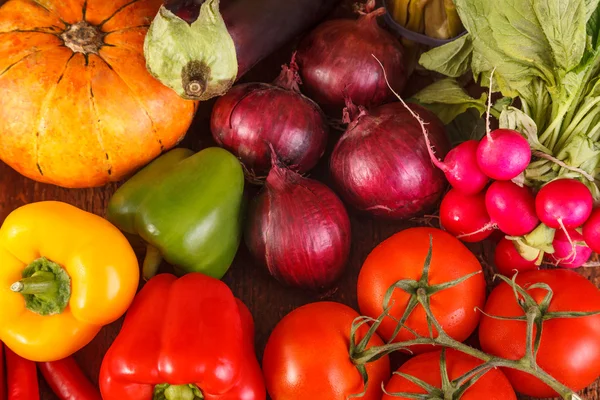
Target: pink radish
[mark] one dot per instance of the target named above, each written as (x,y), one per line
(508,259)
(465,216)
(503,154)
(570,251)
(460,167)
(511,207)
(591,231)
(564,203)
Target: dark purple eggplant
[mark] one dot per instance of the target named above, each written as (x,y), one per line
(199,48)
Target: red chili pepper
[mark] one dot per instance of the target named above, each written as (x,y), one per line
(184,338)
(67,381)
(2,374)
(22,381)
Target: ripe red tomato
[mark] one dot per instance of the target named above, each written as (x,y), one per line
(307,356)
(491,386)
(402,256)
(569,348)
(508,259)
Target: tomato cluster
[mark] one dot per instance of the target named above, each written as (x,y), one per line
(424,273)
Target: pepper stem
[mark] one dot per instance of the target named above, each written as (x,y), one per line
(151,262)
(165,391)
(46,287)
(42,283)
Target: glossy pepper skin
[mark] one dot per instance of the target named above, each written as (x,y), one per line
(184,335)
(64,273)
(187,207)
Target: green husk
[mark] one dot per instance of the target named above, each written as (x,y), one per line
(198,60)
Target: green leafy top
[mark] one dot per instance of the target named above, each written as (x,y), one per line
(546,53)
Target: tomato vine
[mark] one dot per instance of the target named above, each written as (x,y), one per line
(534,316)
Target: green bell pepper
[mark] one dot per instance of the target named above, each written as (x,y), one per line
(188,209)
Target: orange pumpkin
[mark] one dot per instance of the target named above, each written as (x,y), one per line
(77,105)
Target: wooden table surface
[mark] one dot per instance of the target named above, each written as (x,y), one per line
(268,300)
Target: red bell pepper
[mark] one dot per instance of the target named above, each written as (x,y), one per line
(21,377)
(67,380)
(186,338)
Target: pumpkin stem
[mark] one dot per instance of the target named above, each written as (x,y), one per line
(83,37)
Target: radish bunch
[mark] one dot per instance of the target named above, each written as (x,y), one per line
(557,223)
(474,208)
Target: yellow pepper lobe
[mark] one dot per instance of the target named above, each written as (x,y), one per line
(64,273)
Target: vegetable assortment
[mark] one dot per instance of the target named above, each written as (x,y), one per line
(529,184)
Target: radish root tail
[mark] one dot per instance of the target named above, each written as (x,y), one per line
(487,227)
(573,253)
(439,164)
(488,128)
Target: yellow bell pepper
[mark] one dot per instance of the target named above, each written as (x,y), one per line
(64,273)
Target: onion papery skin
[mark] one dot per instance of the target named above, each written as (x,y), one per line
(253,116)
(337,59)
(300,230)
(381,164)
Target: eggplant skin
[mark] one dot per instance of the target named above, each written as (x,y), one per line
(260,27)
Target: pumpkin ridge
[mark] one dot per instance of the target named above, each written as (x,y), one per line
(137,99)
(118,10)
(21,59)
(39,30)
(84,10)
(37,3)
(128,28)
(43,111)
(97,129)
(123,44)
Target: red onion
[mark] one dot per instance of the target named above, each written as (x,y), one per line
(299,229)
(253,116)
(337,57)
(381,164)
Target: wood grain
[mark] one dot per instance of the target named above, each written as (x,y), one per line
(268,300)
